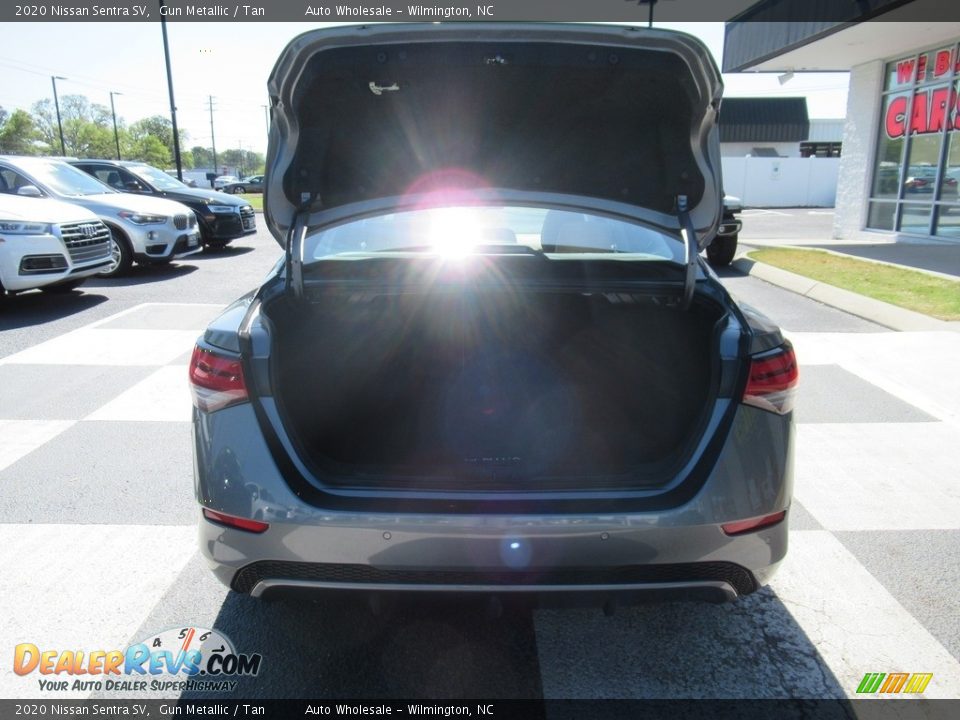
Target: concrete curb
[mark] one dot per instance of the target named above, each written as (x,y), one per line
(891,316)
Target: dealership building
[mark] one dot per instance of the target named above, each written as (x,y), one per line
(900,166)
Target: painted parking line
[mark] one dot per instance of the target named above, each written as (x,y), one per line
(19,438)
(763,211)
(82,587)
(163,396)
(878,476)
(824,622)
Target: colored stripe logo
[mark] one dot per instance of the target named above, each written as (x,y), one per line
(894,683)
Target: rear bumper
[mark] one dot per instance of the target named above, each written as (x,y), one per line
(601,561)
(678,551)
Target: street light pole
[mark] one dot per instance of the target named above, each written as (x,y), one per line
(213,139)
(56,104)
(113,111)
(173,105)
(266,118)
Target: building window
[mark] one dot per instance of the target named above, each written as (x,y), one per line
(917,163)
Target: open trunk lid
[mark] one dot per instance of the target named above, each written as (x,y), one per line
(372,119)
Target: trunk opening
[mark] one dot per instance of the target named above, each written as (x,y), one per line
(493,389)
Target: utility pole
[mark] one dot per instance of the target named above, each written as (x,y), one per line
(56,104)
(240,169)
(173,105)
(266,118)
(113,111)
(213,140)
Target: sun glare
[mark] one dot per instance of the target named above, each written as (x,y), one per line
(454,232)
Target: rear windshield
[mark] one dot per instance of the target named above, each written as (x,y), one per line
(465,230)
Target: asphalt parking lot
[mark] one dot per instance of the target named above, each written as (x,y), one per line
(98,538)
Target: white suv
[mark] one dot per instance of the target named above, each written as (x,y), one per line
(49,245)
(145,229)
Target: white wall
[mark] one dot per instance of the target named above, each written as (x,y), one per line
(740,149)
(781,182)
(859,147)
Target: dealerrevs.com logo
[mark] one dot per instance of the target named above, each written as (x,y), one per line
(189,658)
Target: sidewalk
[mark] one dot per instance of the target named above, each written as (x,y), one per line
(940,259)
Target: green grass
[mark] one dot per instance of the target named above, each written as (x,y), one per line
(255,199)
(909,289)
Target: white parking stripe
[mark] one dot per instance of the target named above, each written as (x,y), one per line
(163,396)
(878,476)
(82,587)
(855,625)
(21,437)
(108,347)
(891,362)
(826,623)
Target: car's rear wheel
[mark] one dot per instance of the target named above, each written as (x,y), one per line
(239,190)
(64,287)
(721,251)
(121,255)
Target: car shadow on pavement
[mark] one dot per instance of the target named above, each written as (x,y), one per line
(333,647)
(143,274)
(36,308)
(219,253)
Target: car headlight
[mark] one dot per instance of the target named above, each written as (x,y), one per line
(18,227)
(142,218)
(221,209)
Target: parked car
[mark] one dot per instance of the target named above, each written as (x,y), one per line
(252,184)
(723,247)
(222,218)
(921,180)
(46,244)
(223,180)
(493,360)
(147,230)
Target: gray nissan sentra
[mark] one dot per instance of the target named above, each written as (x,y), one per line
(492,360)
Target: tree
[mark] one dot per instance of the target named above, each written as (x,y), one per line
(247,162)
(149,149)
(18,134)
(202,157)
(87,127)
(161,128)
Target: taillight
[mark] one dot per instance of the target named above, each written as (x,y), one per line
(254,526)
(215,381)
(773,380)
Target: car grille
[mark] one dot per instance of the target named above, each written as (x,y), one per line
(739,578)
(86,241)
(180,222)
(192,219)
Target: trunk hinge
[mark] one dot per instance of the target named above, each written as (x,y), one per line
(294,251)
(691,250)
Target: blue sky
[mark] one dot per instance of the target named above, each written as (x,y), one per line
(232,61)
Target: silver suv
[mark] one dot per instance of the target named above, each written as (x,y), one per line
(143,229)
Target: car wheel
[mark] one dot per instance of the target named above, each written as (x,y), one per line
(121,255)
(62,288)
(240,190)
(721,251)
